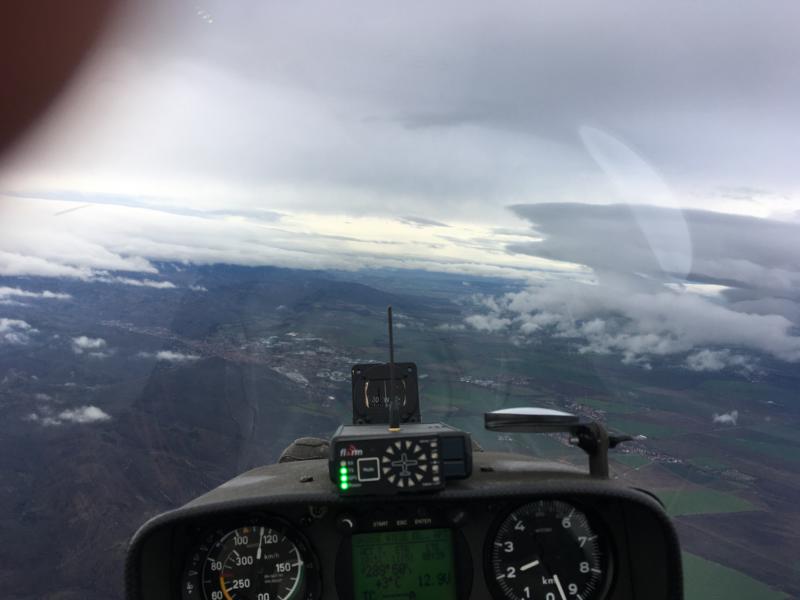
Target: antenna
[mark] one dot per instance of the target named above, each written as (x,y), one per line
(394,409)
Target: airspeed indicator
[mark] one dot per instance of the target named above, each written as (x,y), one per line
(258,561)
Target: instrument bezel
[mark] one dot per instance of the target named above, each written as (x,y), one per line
(206,534)
(597,524)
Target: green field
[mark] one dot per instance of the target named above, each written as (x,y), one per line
(687,404)
(786,432)
(636,427)
(707,580)
(631,460)
(462,396)
(732,391)
(708,462)
(540,446)
(772,449)
(610,406)
(702,501)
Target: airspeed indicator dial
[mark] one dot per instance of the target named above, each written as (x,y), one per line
(258,561)
(547,550)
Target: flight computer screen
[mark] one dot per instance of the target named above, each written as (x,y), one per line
(393,565)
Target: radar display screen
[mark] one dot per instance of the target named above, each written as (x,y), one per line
(395,565)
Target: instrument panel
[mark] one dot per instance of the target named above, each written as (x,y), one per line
(540,550)
(501,535)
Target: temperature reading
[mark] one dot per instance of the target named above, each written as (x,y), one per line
(404,564)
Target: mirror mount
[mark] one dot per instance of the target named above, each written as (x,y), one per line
(590,436)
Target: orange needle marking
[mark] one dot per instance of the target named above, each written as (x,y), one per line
(222,587)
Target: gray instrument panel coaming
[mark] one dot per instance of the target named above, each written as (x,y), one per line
(643,558)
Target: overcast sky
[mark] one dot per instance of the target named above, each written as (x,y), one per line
(452,136)
(452,105)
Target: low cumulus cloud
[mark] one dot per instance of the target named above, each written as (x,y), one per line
(488,322)
(81,415)
(170,356)
(83,344)
(9,292)
(726,418)
(84,414)
(637,308)
(451,327)
(150,283)
(636,324)
(16,331)
(717,360)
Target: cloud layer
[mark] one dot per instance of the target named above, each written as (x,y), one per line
(481,108)
(636,324)
(636,308)
(267,134)
(88,243)
(744,251)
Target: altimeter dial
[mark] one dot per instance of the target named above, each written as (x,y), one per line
(547,550)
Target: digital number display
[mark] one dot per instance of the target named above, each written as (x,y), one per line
(395,565)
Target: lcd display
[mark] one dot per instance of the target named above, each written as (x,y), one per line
(395,565)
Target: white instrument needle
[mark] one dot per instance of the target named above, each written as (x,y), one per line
(260,538)
(560,589)
(530,565)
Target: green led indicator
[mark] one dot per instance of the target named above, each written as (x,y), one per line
(343,470)
(343,486)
